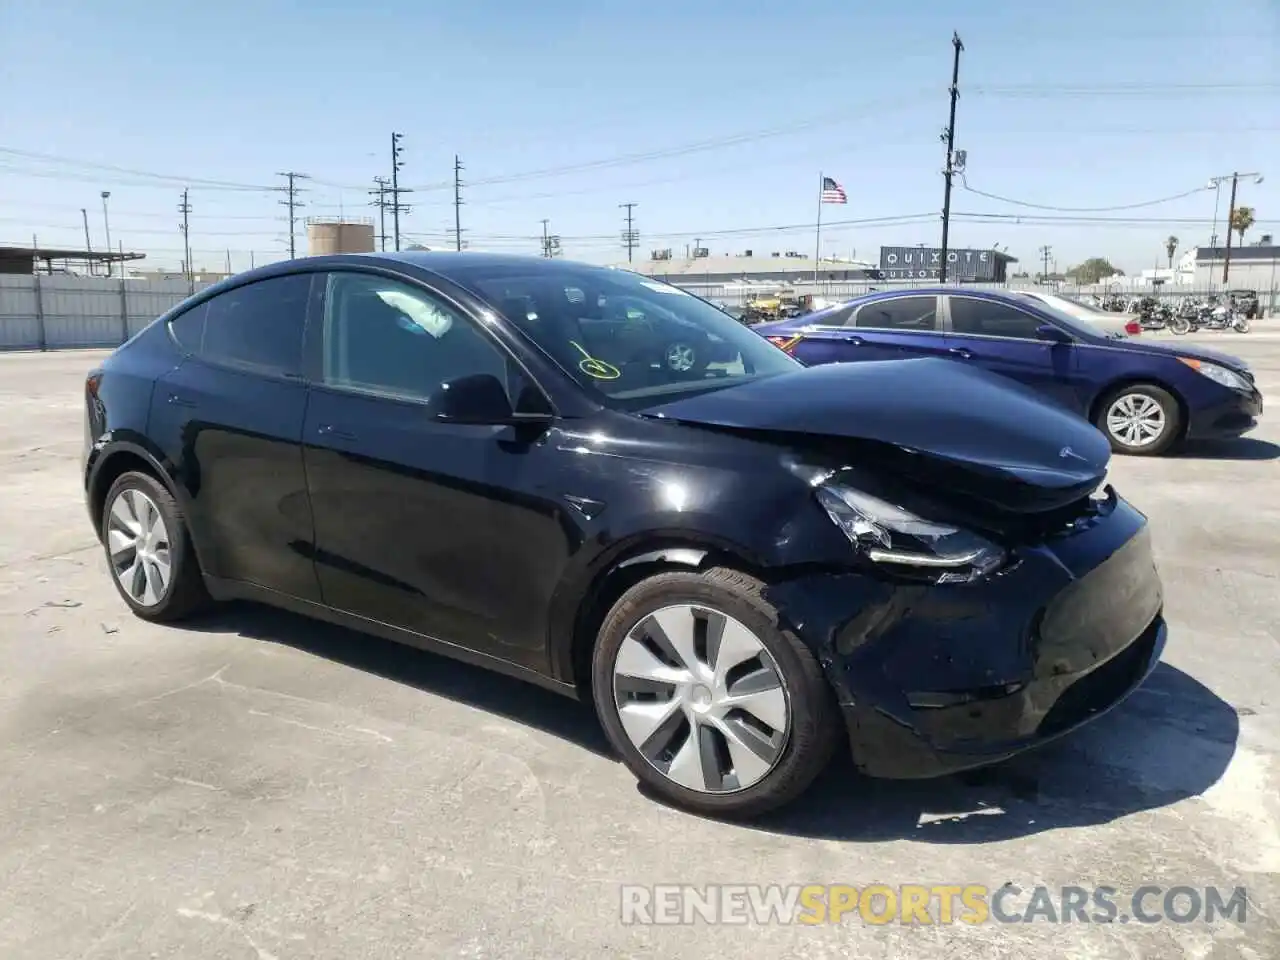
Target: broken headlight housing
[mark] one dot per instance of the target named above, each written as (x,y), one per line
(890,536)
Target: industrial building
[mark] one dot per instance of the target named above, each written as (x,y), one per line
(704,269)
(1252,267)
(24,261)
(895,263)
(327,235)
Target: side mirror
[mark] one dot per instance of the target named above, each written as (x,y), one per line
(1048,331)
(480,399)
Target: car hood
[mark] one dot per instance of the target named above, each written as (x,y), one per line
(1192,351)
(951,427)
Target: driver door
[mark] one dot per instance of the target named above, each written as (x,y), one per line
(415,524)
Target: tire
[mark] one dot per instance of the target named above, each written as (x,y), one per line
(1141,396)
(1240,324)
(683,358)
(126,511)
(740,784)
(1180,325)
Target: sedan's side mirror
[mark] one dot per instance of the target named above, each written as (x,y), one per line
(1048,331)
(481,399)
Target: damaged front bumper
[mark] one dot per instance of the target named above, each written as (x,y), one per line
(938,678)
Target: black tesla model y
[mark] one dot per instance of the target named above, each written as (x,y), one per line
(598,482)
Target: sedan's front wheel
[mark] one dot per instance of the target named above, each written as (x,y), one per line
(1141,419)
(708,699)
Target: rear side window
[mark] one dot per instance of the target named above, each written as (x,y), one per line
(258,325)
(991,319)
(899,313)
(840,317)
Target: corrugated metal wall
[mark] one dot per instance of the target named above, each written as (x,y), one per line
(53,312)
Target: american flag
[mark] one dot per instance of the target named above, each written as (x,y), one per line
(832,192)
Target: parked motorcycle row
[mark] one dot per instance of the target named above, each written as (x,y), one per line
(1233,311)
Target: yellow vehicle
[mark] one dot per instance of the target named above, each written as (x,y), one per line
(770,306)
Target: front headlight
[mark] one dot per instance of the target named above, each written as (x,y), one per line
(1228,378)
(889,535)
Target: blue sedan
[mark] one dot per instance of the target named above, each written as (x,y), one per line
(1146,397)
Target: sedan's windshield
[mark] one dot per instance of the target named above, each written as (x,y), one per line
(632,339)
(1075,316)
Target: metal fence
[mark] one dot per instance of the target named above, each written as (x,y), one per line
(738,294)
(42,312)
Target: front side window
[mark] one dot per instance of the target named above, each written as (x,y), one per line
(991,319)
(630,340)
(259,325)
(899,313)
(390,337)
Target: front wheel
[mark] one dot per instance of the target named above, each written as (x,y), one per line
(1240,323)
(1141,419)
(1180,325)
(709,700)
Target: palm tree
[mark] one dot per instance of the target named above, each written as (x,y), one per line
(1241,220)
(1171,247)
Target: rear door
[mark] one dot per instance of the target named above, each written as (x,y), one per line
(229,418)
(1002,338)
(887,328)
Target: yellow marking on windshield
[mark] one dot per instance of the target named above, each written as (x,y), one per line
(596,369)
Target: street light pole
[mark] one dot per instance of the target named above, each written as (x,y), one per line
(106,223)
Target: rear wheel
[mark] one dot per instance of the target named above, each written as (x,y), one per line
(149,551)
(710,703)
(1141,419)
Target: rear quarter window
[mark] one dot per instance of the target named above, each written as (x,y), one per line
(188,328)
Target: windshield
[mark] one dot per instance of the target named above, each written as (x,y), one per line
(626,337)
(1075,316)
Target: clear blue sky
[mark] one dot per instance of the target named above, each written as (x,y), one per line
(712,116)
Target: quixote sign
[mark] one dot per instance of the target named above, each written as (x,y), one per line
(925,263)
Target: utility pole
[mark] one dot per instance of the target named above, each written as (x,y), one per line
(949,137)
(546,241)
(457,202)
(106,223)
(381,203)
(1231,213)
(292,202)
(184,208)
(1045,252)
(630,239)
(88,246)
(396,206)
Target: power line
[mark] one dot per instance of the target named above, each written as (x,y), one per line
(1044,206)
(292,202)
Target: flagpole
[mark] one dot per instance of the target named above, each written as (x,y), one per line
(817,242)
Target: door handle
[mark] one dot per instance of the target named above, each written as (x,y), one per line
(178,400)
(855,340)
(329,430)
(961,352)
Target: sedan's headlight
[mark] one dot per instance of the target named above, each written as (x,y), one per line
(889,535)
(1218,374)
